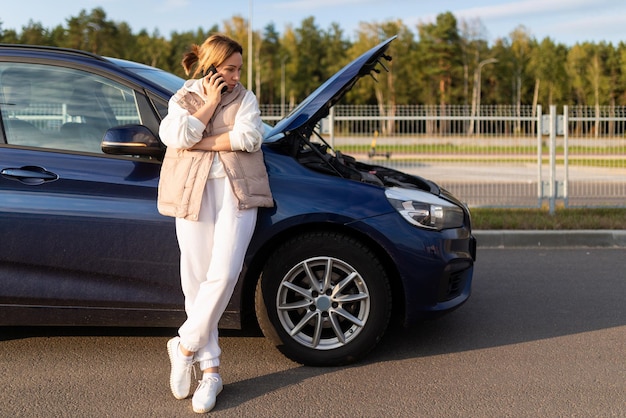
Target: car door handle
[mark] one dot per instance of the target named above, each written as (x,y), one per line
(31,175)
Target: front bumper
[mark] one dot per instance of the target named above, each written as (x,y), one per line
(451,273)
(434,268)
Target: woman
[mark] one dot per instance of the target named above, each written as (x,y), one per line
(211,136)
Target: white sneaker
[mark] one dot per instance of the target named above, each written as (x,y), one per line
(205,396)
(180,374)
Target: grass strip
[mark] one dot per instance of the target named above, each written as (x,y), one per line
(541,219)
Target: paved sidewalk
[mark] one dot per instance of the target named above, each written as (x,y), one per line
(540,238)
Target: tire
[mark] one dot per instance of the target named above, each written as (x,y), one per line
(320,319)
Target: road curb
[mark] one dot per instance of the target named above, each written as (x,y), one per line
(540,238)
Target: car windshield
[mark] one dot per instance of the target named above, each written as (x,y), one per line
(267,128)
(162,78)
(171,82)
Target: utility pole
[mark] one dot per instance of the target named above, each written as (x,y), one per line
(250,52)
(475,122)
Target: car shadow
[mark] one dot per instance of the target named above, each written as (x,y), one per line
(22,332)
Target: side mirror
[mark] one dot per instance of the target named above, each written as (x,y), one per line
(132,140)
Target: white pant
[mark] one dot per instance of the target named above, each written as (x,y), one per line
(212,252)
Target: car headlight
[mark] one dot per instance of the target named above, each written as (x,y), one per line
(425,210)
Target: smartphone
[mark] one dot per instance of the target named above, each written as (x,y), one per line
(212,70)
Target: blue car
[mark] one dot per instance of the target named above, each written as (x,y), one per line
(347,247)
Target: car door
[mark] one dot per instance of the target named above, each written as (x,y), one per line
(78,227)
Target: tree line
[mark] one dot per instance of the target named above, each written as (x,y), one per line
(446,62)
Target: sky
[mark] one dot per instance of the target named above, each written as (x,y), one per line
(564,21)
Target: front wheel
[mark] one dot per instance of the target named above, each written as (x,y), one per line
(323,299)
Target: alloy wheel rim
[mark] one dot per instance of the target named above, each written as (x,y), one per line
(323,303)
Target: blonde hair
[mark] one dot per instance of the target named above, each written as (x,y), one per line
(214,51)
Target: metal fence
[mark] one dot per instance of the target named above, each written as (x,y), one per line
(498,156)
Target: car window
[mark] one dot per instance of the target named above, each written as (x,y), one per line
(61,108)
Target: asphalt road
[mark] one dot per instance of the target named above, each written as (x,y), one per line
(543,335)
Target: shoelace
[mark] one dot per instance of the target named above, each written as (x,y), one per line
(190,365)
(207,381)
(193,369)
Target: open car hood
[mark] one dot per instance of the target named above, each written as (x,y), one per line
(316,106)
(293,134)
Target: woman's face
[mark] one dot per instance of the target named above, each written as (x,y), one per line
(230,70)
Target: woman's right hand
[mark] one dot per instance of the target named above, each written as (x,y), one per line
(213,84)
